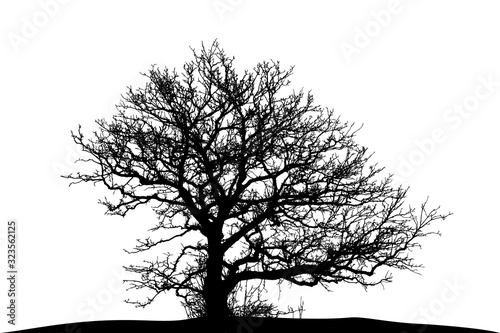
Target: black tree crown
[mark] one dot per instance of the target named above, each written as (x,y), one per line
(268,186)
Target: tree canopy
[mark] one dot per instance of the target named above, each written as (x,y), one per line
(270,186)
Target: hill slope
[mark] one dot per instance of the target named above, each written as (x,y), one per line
(252,325)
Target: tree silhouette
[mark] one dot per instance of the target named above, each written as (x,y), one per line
(264,185)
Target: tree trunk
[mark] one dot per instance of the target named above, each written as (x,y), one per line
(214,290)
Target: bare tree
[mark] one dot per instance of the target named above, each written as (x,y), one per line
(264,184)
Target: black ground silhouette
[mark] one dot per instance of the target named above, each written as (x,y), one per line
(253,325)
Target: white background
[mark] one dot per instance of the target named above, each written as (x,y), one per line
(71,66)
